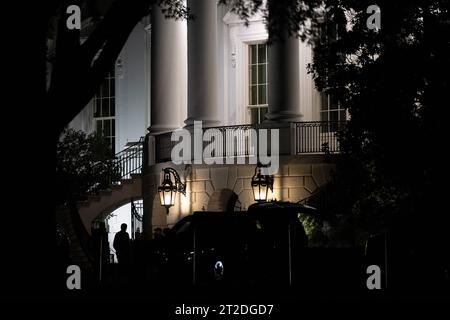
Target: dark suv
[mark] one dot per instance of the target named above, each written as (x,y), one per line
(260,246)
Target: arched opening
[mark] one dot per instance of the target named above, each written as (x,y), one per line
(130,214)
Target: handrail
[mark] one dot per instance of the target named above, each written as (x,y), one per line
(130,159)
(317,136)
(134,212)
(309,137)
(236,141)
(124,163)
(80,231)
(320,199)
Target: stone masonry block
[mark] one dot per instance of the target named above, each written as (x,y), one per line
(202,174)
(198,186)
(219,178)
(297,194)
(310,184)
(300,170)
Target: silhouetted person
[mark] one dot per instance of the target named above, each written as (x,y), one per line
(157,233)
(122,245)
(157,245)
(137,233)
(166,232)
(165,239)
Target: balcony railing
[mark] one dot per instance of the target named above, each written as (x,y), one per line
(129,160)
(235,141)
(313,137)
(124,163)
(317,136)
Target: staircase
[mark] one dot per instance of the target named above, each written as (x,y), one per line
(123,188)
(78,240)
(107,201)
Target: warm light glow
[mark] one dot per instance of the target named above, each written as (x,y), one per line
(168,199)
(185,205)
(260,192)
(270,195)
(168,189)
(261,185)
(167,192)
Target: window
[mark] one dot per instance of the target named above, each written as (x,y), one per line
(258,104)
(105,110)
(331,111)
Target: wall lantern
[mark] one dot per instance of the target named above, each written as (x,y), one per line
(168,189)
(261,184)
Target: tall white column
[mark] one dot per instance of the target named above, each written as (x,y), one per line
(284,79)
(168,72)
(202,63)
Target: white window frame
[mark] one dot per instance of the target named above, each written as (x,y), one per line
(103,118)
(236,60)
(257,106)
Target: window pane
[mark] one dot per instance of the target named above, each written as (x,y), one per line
(333,103)
(254,115)
(105,89)
(112,107)
(98,126)
(324,116)
(262,58)
(252,54)
(342,115)
(98,107)
(334,116)
(262,94)
(105,107)
(262,74)
(112,87)
(253,75)
(113,127)
(262,113)
(253,95)
(324,97)
(107,128)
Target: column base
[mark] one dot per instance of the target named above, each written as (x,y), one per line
(283,117)
(162,128)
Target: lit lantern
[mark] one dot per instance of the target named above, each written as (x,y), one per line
(261,185)
(168,189)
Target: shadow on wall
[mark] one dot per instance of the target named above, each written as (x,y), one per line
(223,200)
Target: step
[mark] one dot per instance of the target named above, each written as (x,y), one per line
(135,175)
(94,198)
(105,193)
(116,187)
(84,203)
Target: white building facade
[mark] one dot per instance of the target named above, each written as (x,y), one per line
(220,71)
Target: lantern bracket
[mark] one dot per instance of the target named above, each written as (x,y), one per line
(181,187)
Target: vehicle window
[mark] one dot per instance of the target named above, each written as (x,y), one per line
(185,228)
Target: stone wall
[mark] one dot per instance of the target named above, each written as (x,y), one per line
(298,178)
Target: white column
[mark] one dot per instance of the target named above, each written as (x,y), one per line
(202,63)
(284,79)
(168,72)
